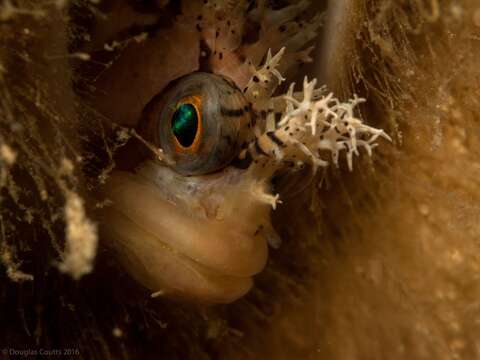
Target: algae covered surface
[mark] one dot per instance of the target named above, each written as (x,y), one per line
(376,263)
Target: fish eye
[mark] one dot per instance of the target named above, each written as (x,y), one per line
(186,124)
(200,122)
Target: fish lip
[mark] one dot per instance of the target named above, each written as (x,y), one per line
(245,241)
(191,281)
(228,267)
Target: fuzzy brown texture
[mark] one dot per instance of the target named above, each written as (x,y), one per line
(379,263)
(40,158)
(395,274)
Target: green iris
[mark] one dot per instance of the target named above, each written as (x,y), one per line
(185,124)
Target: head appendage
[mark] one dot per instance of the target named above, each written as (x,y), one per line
(311,124)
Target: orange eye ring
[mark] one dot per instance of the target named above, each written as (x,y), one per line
(196,102)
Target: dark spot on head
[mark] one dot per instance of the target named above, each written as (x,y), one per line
(199,17)
(220,55)
(256,79)
(282,28)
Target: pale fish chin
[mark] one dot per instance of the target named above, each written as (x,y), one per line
(201,238)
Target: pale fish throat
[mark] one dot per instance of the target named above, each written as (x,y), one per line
(201,238)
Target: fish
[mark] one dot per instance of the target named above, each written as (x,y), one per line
(215,120)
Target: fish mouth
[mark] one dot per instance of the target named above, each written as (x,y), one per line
(198,238)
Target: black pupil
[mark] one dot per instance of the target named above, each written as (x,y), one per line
(185,124)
